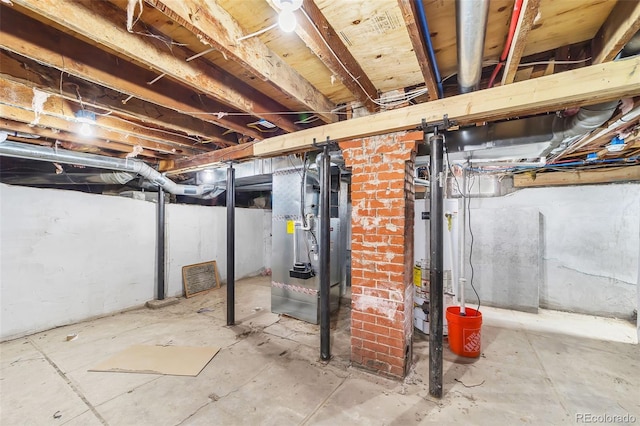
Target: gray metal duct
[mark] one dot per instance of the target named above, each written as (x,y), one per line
(471,25)
(32,152)
(527,137)
(109,178)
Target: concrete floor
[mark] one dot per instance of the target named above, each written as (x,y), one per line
(268,372)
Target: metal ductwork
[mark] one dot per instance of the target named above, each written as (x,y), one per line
(471,26)
(527,137)
(31,152)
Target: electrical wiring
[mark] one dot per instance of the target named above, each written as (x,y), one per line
(472,239)
(264,30)
(462,194)
(255,126)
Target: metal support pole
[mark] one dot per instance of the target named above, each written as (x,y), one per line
(160,262)
(325,309)
(436,245)
(231,245)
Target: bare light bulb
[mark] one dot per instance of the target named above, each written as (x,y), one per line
(287,20)
(85,129)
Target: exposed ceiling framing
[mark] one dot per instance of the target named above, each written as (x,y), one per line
(184,84)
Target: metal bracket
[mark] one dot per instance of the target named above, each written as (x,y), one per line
(328,143)
(436,126)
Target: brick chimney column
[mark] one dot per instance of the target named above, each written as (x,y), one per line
(382,197)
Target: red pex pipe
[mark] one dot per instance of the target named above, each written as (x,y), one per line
(515,15)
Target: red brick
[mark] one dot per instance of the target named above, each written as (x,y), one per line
(390,194)
(388,147)
(397,240)
(374,292)
(391,176)
(356,342)
(375,186)
(357,229)
(398,156)
(410,137)
(390,267)
(375,239)
(365,353)
(392,343)
(348,145)
(386,322)
(356,195)
(396,371)
(383,331)
(364,317)
(377,168)
(373,276)
(390,212)
(396,333)
(361,282)
(356,324)
(397,351)
(375,347)
(391,360)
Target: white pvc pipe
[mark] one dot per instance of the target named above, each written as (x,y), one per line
(451,255)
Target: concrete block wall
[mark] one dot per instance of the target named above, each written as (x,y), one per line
(66,256)
(381,251)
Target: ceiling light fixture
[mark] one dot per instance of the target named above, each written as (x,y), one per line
(86,119)
(286,18)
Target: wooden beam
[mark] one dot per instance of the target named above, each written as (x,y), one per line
(71,56)
(320,37)
(622,24)
(584,86)
(34,74)
(528,14)
(17,105)
(72,141)
(217,28)
(589,85)
(104,25)
(409,14)
(580,177)
(238,152)
(21,96)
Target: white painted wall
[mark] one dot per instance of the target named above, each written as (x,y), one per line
(590,245)
(66,256)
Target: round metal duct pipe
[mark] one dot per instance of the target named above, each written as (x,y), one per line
(471,25)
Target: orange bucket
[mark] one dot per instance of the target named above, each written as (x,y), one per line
(464,331)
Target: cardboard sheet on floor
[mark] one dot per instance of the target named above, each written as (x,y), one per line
(168,360)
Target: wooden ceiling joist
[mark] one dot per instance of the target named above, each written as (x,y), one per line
(528,14)
(584,86)
(17,103)
(33,74)
(65,53)
(319,36)
(215,27)
(409,14)
(74,142)
(621,25)
(104,25)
